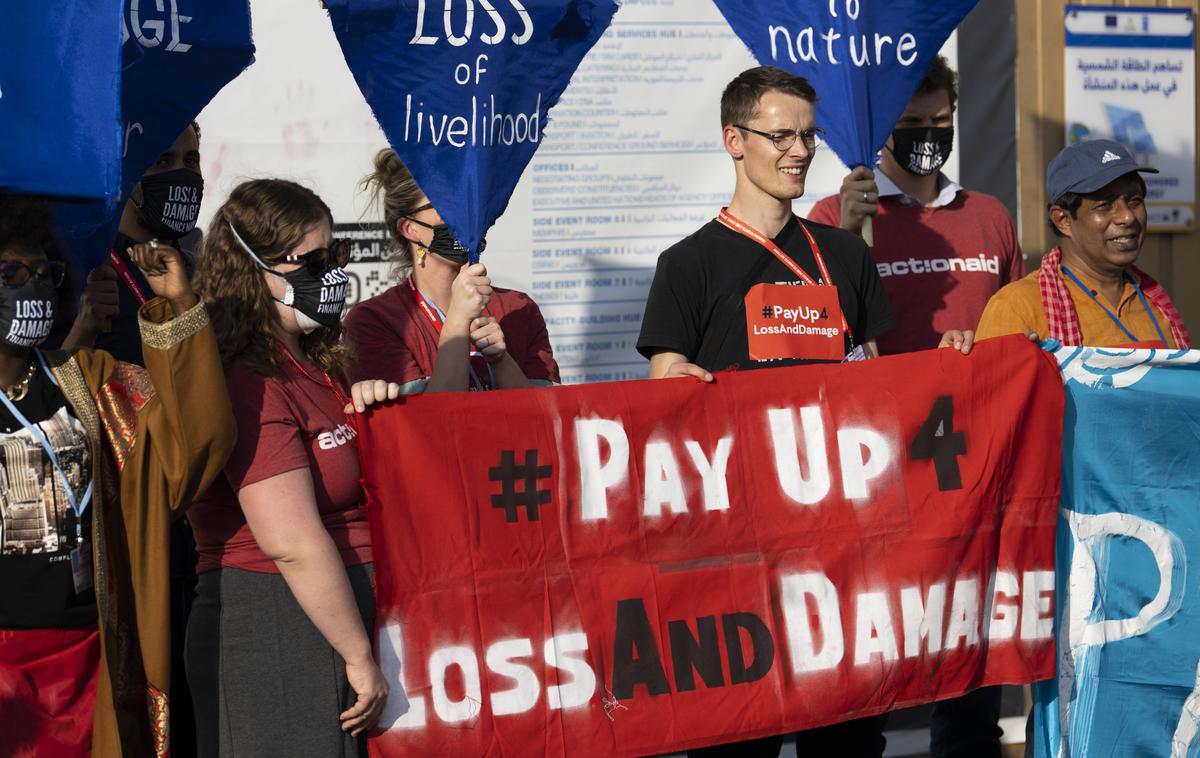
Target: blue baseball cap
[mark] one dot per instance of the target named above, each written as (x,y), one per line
(1088,166)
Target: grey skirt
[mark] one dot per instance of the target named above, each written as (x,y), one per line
(264,682)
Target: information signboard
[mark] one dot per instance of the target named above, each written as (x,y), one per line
(1130,75)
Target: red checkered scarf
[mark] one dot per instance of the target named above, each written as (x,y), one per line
(1060,310)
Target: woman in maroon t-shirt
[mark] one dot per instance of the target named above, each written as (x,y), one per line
(443,327)
(278,654)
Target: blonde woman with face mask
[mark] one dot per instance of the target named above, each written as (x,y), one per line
(443,327)
(99,458)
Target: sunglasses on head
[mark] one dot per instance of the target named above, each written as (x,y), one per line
(316,261)
(15,273)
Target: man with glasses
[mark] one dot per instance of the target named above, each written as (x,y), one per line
(942,250)
(722,297)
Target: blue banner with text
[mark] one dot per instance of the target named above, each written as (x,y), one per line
(1128,538)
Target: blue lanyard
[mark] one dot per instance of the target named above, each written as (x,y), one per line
(475,380)
(1137,288)
(77,505)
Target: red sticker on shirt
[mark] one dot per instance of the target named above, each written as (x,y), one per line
(794,321)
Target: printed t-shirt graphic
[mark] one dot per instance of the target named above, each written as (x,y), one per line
(38,527)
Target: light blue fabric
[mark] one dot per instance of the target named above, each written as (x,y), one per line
(1128,589)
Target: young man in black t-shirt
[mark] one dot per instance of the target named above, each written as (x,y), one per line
(696,319)
(725,296)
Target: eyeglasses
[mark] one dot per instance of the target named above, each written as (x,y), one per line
(15,273)
(783,141)
(317,260)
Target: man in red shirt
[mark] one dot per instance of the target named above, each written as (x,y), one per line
(941,250)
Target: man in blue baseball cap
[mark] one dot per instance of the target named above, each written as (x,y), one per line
(1088,290)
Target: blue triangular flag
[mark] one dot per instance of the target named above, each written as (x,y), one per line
(865,58)
(462,90)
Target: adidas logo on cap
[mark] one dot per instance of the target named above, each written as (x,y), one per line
(1109,156)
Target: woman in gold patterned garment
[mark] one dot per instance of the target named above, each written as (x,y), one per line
(147,441)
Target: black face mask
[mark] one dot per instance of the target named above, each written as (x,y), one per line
(171,202)
(922,150)
(317,297)
(445,245)
(26,313)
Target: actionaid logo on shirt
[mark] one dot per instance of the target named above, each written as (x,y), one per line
(342,434)
(982,263)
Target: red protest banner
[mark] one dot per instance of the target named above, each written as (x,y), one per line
(640,567)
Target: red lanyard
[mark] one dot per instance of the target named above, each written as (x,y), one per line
(127,276)
(328,382)
(741,227)
(424,306)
